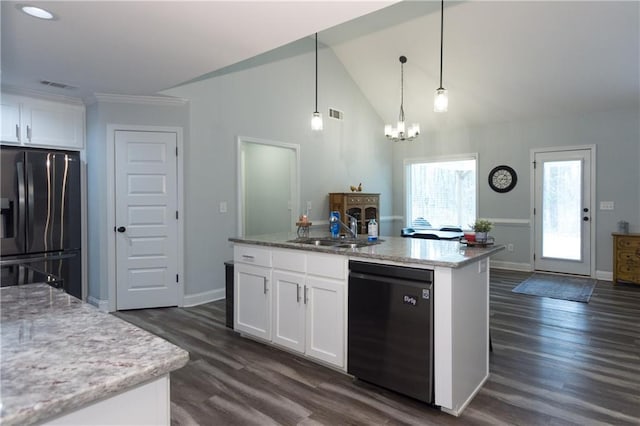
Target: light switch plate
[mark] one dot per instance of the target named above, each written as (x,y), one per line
(223,206)
(606,205)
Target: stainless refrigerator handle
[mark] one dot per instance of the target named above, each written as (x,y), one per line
(30,200)
(18,133)
(29,132)
(20,238)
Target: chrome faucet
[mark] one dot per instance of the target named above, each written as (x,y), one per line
(353,225)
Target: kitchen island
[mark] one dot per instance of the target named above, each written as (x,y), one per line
(65,362)
(271,269)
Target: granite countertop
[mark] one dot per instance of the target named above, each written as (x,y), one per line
(60,354)
(450,254)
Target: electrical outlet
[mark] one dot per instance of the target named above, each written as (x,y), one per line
(308,206)
(223,206)
(510,247)
(606,205)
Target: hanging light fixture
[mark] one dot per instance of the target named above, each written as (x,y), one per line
(400,133)
(316,118)
(441,100)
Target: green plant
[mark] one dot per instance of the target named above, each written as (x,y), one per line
(481,225)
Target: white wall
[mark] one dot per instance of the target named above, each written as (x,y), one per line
(273,101)
(99,115)
(616,135)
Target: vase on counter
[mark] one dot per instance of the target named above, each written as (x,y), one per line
(481,237)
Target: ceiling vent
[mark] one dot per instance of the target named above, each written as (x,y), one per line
(57,85)
(336,114)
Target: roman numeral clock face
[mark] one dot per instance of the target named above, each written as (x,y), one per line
(502,178)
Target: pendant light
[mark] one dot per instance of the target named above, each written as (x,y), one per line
(316,118)
(400,133)
(441,100)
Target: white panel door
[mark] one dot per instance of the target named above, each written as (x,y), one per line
(288,310)
(563,208)
(146,219)
(325,320)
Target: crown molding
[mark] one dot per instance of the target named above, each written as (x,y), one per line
(137,99)
(21,91)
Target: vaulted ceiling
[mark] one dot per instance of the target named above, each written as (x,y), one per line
(503,61)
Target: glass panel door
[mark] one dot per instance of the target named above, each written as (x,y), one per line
(562,222)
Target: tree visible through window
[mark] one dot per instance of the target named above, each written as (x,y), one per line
(441,193)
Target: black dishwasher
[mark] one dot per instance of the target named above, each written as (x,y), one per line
(390,327)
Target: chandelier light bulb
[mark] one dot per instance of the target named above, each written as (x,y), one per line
(441,100)
(316,121)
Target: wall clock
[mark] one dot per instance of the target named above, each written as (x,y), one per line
(502,178)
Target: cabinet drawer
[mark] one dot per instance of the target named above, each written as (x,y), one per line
(628,243)
(327,265)
(252,255)
(289,260)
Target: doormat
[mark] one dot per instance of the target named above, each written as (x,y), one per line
(577,289)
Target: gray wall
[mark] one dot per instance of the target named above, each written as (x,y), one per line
(616,135)
(99,115)
(274,101)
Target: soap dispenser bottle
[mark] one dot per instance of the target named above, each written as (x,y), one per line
(372,230)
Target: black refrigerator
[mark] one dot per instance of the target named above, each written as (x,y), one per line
(40,227)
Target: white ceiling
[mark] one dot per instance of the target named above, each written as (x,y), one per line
(143,47)
(503,60)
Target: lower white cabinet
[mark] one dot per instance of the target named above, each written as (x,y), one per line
(309,310)
(325,322)
(289,309)
(252,300)
(297,302)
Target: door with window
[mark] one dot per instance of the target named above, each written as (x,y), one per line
(563,211)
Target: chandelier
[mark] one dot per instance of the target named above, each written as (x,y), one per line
(400,132)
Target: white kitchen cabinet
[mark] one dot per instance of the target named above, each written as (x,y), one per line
(325,323)
(38,122)
(309,304)
(289,309)
(252,295)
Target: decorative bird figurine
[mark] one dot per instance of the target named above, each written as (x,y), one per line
(353,188)
(360,187)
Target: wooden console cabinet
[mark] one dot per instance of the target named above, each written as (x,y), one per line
(363,207)
(626,258)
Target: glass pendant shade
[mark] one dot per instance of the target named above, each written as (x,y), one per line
(316,121)
(441,100)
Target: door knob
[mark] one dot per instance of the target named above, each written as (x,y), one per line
(121,229)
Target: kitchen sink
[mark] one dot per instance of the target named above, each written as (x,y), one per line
(330,242)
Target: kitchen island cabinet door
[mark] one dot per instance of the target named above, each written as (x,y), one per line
(325,301)
(288,310)
(252,300)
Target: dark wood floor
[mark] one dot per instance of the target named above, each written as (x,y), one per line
(555,362)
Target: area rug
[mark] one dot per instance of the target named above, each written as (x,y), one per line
(577,289)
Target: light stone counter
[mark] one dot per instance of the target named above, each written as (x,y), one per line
(449,254)
(60,354)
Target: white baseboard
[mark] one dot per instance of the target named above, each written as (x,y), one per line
(604,275)
(514,266)
(102,305)
(204,297)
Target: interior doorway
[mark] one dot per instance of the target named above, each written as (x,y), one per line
(563,231)
(268,189)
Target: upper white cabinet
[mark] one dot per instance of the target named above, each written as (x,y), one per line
(39,122)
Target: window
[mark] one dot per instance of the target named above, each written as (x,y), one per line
(441,192)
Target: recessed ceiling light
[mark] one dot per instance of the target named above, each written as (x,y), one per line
(37,12)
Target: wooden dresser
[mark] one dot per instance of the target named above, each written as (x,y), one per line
(626,258)
(363,207)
